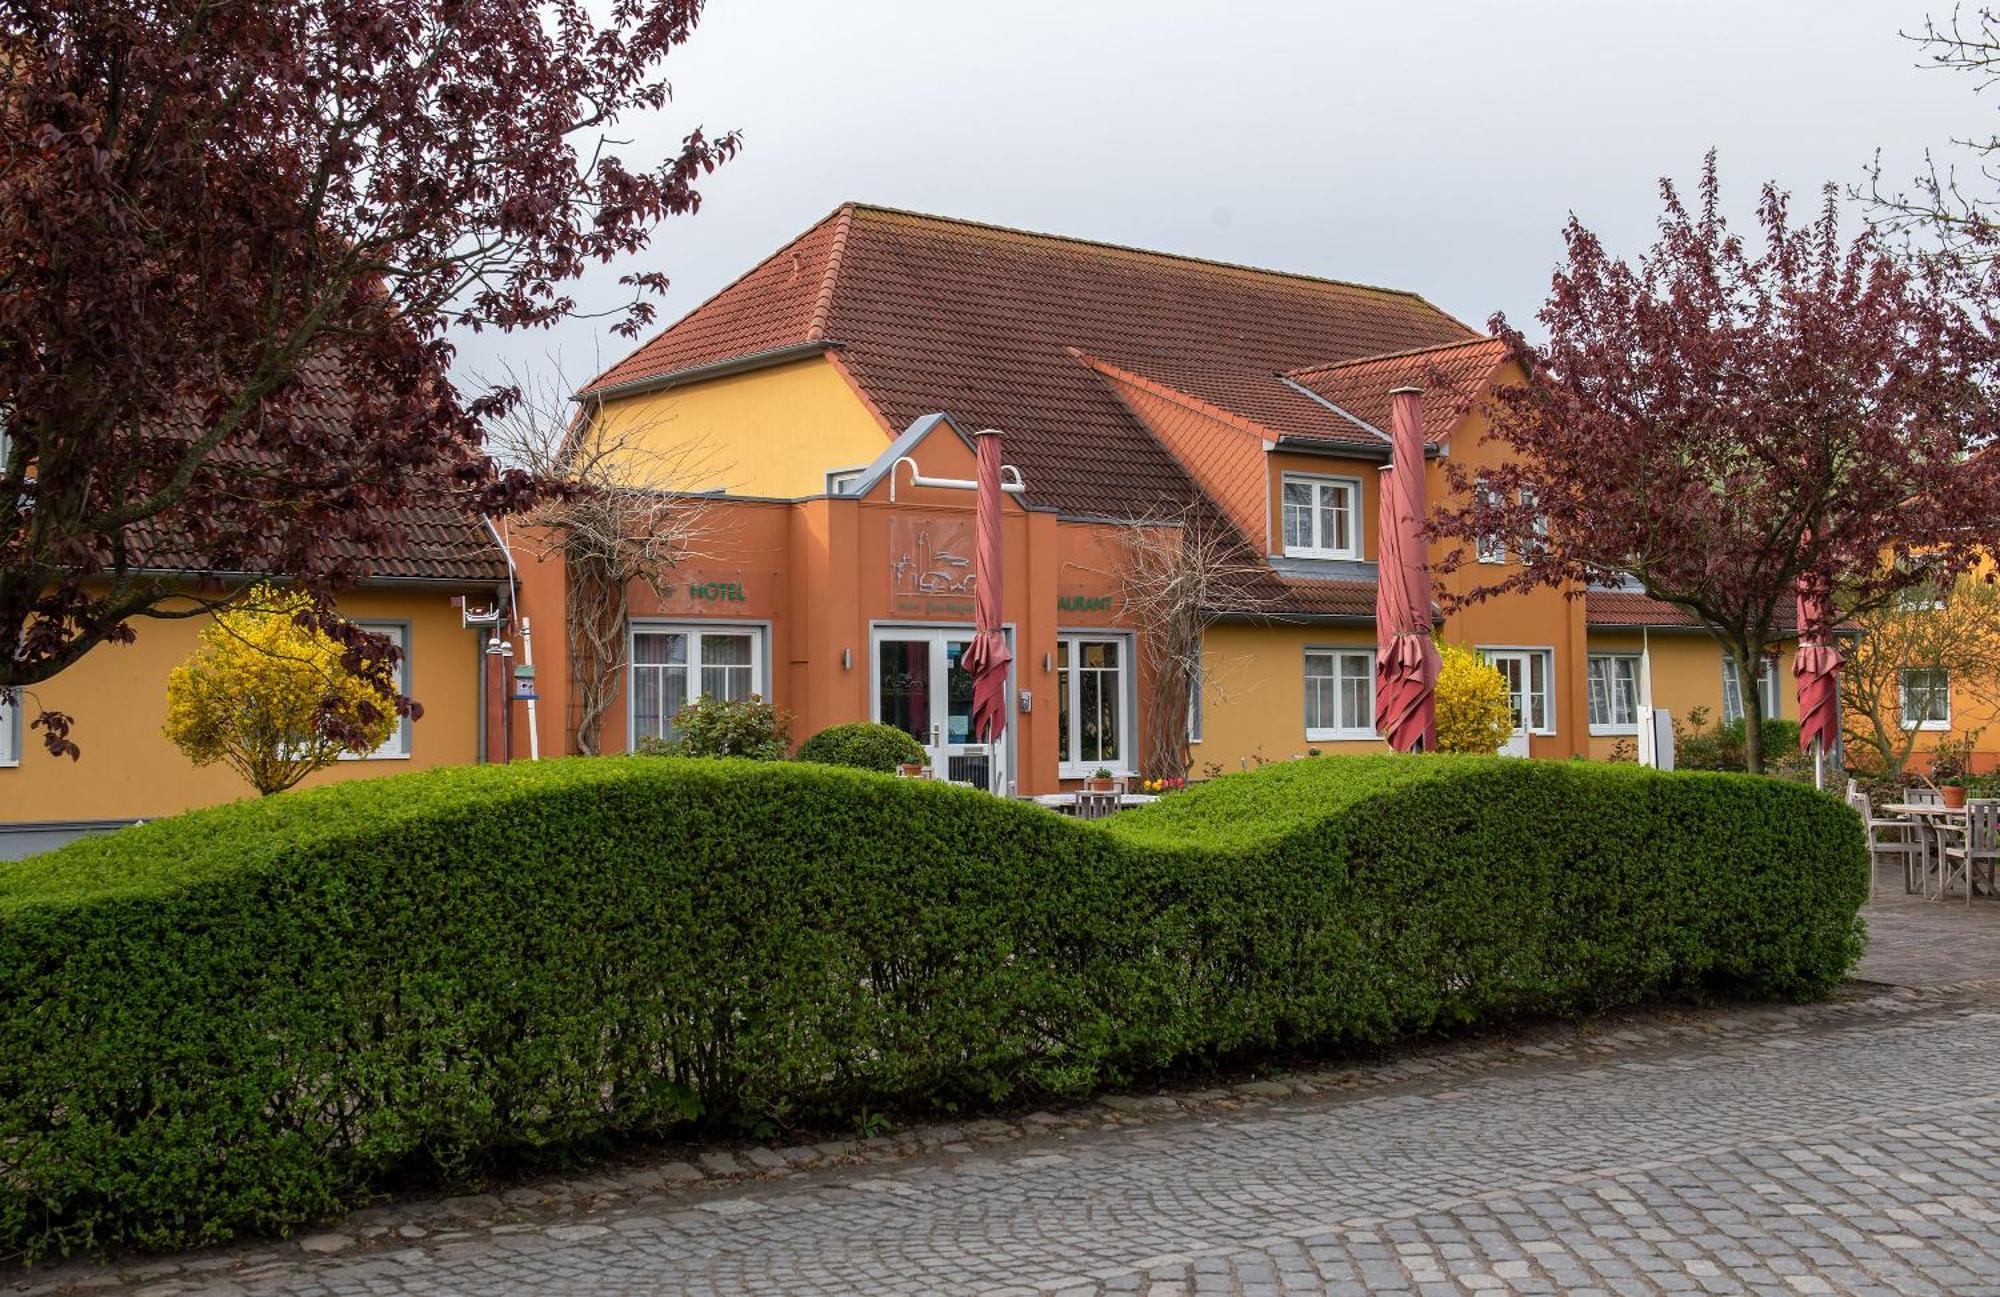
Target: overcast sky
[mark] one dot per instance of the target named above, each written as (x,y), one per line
(1433,145)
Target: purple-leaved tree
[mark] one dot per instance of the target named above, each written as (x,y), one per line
(1717,423)
(233,236)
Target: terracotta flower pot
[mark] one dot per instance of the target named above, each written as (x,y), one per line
(1954,795)
(1100,785)
(910,769)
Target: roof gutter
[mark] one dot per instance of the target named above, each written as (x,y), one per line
(1346,450)
(712,369)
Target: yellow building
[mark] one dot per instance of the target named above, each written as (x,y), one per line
(116,696)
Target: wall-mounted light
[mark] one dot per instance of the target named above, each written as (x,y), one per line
(847,659)
(1048,663)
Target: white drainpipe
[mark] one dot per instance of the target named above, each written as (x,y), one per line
(527,639)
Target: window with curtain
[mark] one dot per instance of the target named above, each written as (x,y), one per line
(1732,690)
(1340,693)
(1321,516)
(397,745)
(673,666)
(1925,697)
(1613,680)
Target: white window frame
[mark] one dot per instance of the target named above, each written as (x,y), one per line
(10,733)
(760,683)
(398,745)
(1767,681)
(1903,717)
(1611,725)
(1346,727)
(1546,655)
(1319,483)
(1069,682)
(1194,707)
(1488,548)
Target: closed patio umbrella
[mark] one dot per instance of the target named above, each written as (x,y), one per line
(1406,661)
(987,657)
(1817,671)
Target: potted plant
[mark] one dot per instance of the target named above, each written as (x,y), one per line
(1100,781)
(1950,773)
(910,769)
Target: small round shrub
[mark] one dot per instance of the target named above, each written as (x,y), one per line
(864,745)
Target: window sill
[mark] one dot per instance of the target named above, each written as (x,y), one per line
(380,756)
(1612,731)
(1929,727)
(1342,736)
(1342,555)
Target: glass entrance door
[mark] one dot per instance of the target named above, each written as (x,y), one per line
(921,689)
(1517,670)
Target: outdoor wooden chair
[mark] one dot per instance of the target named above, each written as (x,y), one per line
(1096,806)
(1889,839)
(1970,848)
(1923,797)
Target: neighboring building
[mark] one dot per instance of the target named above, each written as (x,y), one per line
(1125,382)
(117,695)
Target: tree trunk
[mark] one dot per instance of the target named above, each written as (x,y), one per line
(1750,685)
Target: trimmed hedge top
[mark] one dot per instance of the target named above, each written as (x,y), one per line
(865,745)
(243,1018)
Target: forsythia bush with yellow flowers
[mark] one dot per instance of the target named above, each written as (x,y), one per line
(1473,714)
(251,695)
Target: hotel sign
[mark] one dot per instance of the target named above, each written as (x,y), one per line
(699,593)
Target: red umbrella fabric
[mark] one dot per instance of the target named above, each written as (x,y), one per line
(1406,661)
(986,658)
(1817,667)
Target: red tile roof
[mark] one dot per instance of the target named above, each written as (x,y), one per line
(422,540)
(1612,609)
(930,314)
(1331,598)
(1453,376)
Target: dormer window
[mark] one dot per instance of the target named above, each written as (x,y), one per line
(1322,516)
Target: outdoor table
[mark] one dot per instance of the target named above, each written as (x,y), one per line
(1066,802)
(1926,816)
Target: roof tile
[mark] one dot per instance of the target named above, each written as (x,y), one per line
(930,314)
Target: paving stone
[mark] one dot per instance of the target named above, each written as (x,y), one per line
(326,1244)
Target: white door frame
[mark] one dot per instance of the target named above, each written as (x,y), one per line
(1523,671)
(941,749)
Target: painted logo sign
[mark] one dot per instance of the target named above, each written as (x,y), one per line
(930,565)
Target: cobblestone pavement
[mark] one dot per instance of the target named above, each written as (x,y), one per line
(1852,1147)
(1915,942)
(1838,1149)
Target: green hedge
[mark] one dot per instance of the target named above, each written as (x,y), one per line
(863,745)
(242,1018)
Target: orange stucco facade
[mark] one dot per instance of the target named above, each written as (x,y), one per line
(815,586)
